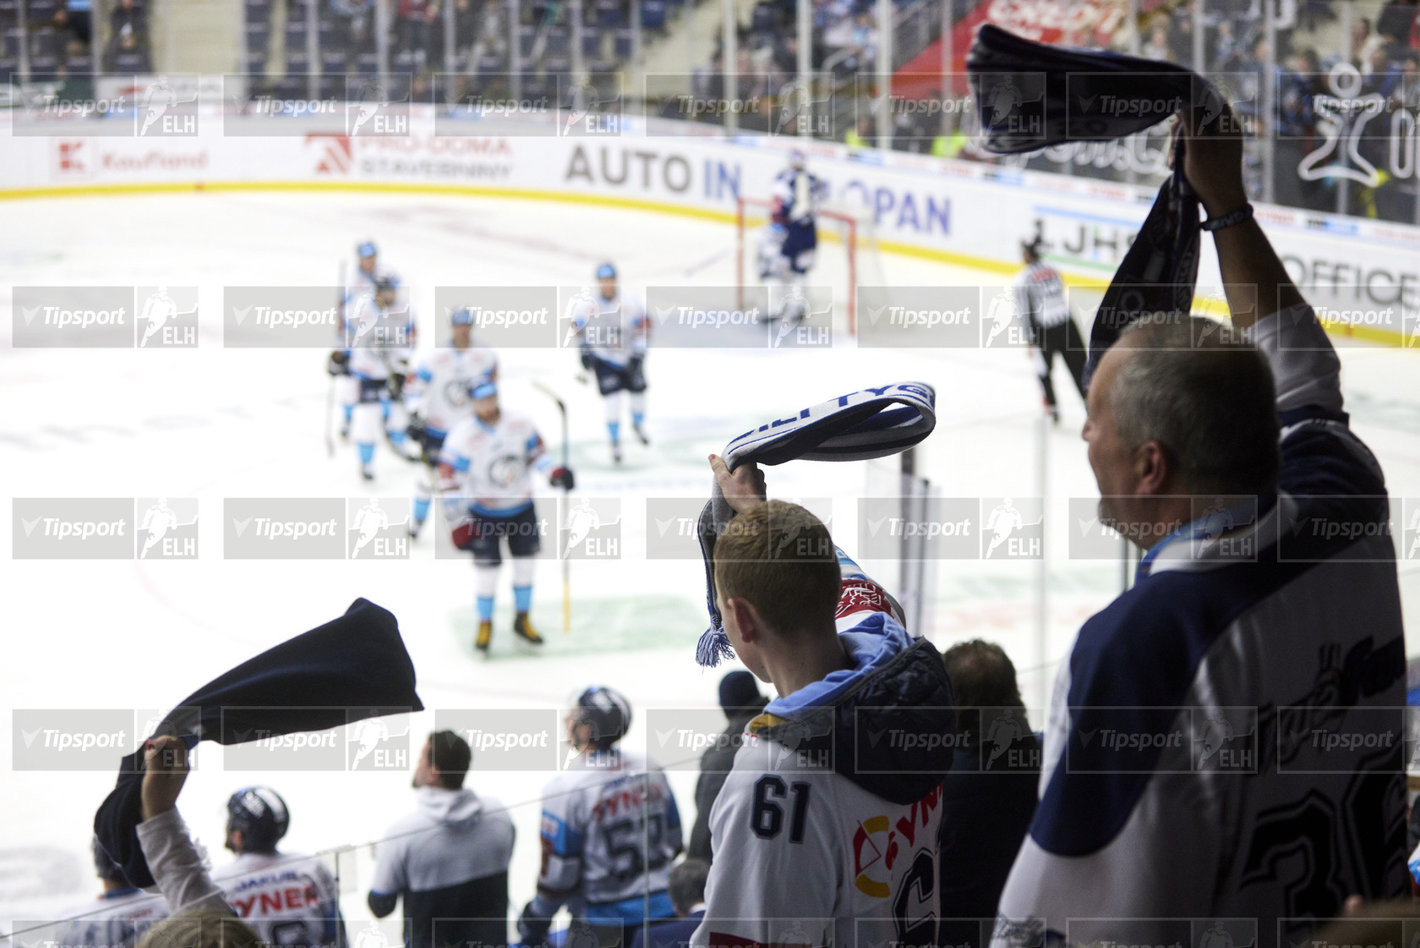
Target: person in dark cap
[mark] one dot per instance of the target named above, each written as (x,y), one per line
(741,701)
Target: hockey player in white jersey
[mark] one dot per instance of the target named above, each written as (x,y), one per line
(438,393)
(359,284)
(117,918)
(788,243)
(826,830)
(485,478)
(379,344)
(1044,315)
(610,830)
(612,332)
(291,901)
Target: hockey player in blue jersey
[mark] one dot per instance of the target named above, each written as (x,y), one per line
(610,830)
(788,244)
(612,332)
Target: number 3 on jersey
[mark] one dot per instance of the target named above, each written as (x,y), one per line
(767,817)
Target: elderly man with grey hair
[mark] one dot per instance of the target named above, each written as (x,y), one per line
(1225,738)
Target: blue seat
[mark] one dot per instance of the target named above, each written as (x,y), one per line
(653,14)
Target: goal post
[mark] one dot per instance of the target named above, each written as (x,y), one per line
(839,269)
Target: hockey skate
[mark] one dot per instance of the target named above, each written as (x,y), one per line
(615,452)
(484,636)
(523,629)
(367,471)
(641,433)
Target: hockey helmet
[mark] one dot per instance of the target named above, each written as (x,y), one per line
(797,158)
(463,316)
(605,711)
(386,281)
(606,272)
(261,815)
(366,249)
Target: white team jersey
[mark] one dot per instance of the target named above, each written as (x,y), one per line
(610,829)
(1040,297)
(798,195)
(288,900)
(808,849)
(1225,741)
(380,341)
(491,465)
(114,920)
(443,381)
(613,329)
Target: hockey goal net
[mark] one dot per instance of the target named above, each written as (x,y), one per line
(845,259)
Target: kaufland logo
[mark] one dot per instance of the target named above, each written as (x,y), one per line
(336,155)
(69,157)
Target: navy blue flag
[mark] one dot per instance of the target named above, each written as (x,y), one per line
(351,668)
(1031,96)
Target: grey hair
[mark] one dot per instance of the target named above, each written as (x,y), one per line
(1207,395)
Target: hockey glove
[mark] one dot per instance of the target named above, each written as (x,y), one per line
(562,477)
(634,364)
(533,925)
(396,384)
(589,361)
(338,363)
(464,533)
(416,428)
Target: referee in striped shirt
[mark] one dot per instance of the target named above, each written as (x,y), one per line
(1045,315)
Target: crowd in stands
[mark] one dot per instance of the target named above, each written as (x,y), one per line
(62,39)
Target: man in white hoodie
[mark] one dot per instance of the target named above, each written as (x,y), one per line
(448,859)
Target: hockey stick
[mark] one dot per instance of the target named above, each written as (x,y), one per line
(566,563)
(330,386)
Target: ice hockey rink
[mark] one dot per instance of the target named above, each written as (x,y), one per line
(211,423)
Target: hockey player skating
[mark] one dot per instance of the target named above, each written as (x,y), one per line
(610,830)
(358,285)
(261,882)
(378,346)
(788,244)
(485,476)
(439,393)
(612,331)
(1045,318)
